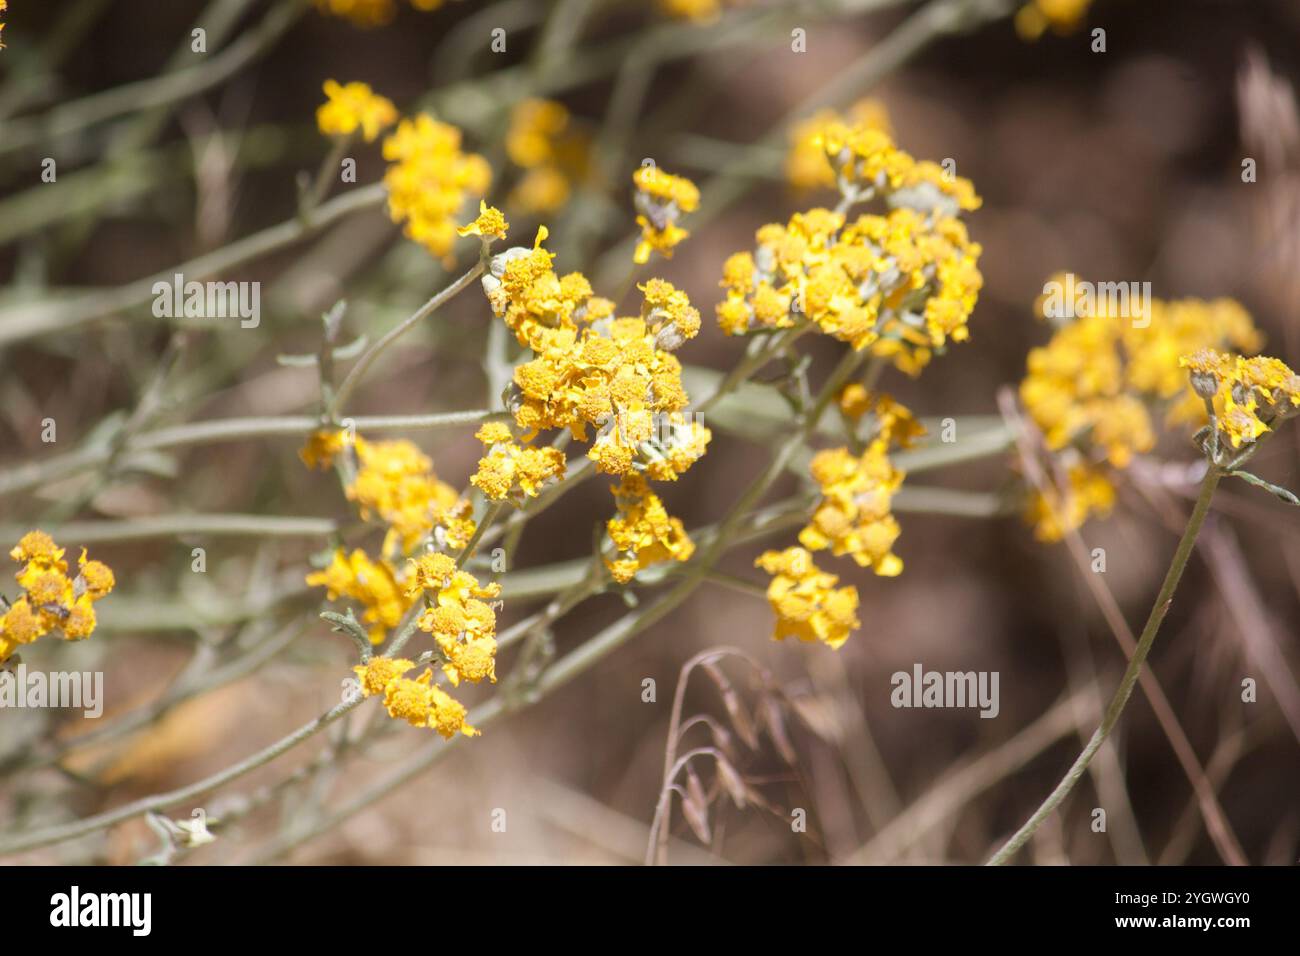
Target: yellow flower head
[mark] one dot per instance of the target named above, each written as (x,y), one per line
(1060,16)
(661,199)
(1248,395)
(805,600)
(421,704)
(378,672)
(51,600)
(373,584)
(643,533)
(323,446)
(429,179)
(354,106)
(807,165)
(511,470)
(903,284)
(396,483)
(1055,512)
(490,224)
(370,13)
(853,515)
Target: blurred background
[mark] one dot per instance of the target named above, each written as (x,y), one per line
(1118,165)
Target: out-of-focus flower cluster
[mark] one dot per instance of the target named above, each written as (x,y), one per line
(354,106)
(1108,375)
(902,284)
(371,13)
(697,11)
(429,180)
(805,599)
(554,153)
(51,599)
(1060,16)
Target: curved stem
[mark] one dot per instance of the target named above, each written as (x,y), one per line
(358,371)
(1131,673)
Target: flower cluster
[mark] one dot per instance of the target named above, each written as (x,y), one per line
(1097,388)
(805,599)
(372,584)
(51,600)
(546,144)
(429,179)
(806,164)
(1247,396)
(462,624)
(902,284)
(661,199)
(511,470)
(592,369)
(417,701)
(395,482)
(1060,16)
(697,11)
(643,532)
(370,13)
(4,5)
(853,514)
(353,107)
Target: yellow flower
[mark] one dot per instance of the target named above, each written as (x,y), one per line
(1248,395)
(422,705)
(370,13)
(853,515)
(698,11)
(807,165)
(354,106)
(323,446)
(554,154)
(903,284)
(490,224)
(534,126)
(661,199)
(510,470)
(891,422)
(396,483)
(805,600)
(378,672)
(1055,512)
(51,600)
(643,533)
(1061,16)
(472,659)
(373,584)
(429,179)
(1098,381)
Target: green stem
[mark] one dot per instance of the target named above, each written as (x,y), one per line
(1131,673)
(358,371)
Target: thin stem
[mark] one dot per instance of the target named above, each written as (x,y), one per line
(1131,673)
(358,371)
